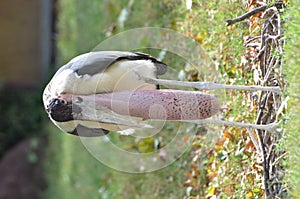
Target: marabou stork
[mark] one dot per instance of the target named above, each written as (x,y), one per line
(104,91)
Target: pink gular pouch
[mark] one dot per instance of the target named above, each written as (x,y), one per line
(153,104)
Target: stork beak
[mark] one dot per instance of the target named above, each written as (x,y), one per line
(120,107)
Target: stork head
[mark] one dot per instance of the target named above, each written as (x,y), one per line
(60,110)
(64,113)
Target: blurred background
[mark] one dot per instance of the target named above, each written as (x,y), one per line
(37,160)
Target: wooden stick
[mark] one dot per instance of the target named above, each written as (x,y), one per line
(230,22)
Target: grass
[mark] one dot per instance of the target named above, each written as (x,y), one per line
(74,173)
(83,25)
(292,71)
(229,167)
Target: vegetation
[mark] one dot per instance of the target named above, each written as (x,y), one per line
(293,75)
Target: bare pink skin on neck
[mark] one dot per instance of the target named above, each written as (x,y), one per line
(155,104)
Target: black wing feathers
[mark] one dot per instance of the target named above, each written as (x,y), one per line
(95,62)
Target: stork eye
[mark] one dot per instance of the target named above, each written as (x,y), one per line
(63,101)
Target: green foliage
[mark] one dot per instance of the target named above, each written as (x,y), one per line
(22,114)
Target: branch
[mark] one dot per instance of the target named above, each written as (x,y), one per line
(230,22)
